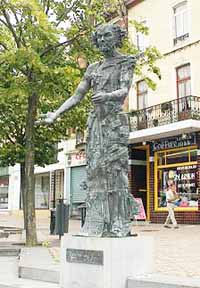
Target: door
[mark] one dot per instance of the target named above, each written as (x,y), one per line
(78,183)
(140,175)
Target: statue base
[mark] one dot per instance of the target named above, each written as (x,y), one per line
(89,262)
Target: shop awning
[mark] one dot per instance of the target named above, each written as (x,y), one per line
(168,130)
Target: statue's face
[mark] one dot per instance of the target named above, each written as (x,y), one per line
(106,39)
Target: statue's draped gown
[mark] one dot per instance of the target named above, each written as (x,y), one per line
(109,205)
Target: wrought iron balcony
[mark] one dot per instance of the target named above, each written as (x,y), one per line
(168,112)
(181,38)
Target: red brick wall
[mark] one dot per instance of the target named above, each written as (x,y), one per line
(132,181)
(131,176)
(183,217)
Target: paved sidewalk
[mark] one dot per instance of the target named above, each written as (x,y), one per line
(177,251)
(9,276)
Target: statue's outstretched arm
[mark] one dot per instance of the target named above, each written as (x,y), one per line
(80,92)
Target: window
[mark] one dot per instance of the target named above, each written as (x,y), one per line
(42,190)
(80,139)
(183,79)
(142,39)
(142,94)
(181,27)
(179,165)
(59,183)
(4,183)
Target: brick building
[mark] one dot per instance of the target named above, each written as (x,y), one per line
(165,125)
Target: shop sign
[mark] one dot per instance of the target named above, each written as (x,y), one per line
(80,155)
(174,142)
(76,159)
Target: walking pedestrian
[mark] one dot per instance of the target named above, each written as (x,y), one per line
(171,197)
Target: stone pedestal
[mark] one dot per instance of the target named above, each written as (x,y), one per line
(88,262)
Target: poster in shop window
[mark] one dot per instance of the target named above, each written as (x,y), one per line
(141,215)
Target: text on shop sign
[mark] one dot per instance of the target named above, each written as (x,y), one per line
(174,142)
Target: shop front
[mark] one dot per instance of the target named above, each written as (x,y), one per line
(139,178)
(4,187)
(42,190)
(176,159)
(76,185)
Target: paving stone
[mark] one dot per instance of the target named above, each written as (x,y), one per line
(36,263)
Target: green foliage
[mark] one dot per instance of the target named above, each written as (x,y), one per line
(38,55)
(40,42)
(139,27)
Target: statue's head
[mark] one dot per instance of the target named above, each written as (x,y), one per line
(108,37)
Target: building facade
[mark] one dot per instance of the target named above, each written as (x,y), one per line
(165,123)
(65,179)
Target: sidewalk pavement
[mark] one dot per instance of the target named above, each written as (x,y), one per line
(177,251)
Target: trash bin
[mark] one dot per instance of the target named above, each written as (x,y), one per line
(52,221)
(82,208)
(62,218)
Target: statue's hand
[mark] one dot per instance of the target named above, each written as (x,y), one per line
(47,118)
(100,97)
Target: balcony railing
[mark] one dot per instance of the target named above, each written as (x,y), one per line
(165,113)
(181,38)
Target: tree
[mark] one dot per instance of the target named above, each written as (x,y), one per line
(40,42)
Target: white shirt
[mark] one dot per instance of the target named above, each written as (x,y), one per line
(170,195)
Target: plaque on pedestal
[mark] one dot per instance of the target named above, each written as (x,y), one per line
(91,262)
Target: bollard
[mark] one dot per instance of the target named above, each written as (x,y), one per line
(62,218)
(82,207)
(52,221)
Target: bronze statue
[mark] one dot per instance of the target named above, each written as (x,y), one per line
(109,205)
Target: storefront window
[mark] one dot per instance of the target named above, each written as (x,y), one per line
(4,183)
(42,190)
(179,166)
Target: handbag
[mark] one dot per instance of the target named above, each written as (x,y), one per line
(177,202)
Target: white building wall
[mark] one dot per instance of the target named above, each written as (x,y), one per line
(68,148)
(55,166)
(67,185)
(14,188)
(159,16)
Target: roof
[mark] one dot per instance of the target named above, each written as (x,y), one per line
(131,3)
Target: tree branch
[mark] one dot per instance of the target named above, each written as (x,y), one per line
(66,12)
(10,27)
(65,43)
(18,23)
(8,134)
(4,23)
(10,139)
(4,46)
(48,7)
(53,60)
(15,15)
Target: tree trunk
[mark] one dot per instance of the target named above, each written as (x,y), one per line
(23,194)
(30,221)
